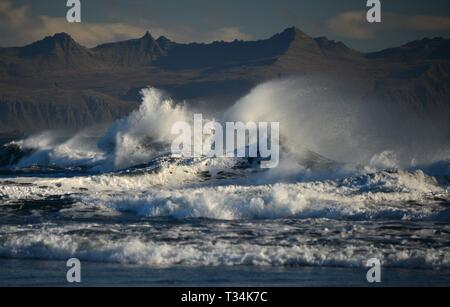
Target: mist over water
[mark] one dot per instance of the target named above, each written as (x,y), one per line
(314,115)
(318,116)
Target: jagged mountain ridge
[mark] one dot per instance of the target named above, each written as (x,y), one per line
(142,51)
(42,84)
(61,51)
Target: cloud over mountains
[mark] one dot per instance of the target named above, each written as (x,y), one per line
(353,24)
(19,26)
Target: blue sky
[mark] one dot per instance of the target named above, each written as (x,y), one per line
(208,20)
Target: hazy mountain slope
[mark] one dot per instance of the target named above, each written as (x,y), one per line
(436,48)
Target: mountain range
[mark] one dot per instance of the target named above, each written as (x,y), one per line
(56,83)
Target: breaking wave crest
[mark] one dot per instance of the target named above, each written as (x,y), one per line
(318,127)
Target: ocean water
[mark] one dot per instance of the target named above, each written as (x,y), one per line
(134,215)
(45,273)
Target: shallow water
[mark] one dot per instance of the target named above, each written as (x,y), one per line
(93,274)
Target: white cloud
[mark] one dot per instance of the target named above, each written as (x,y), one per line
(226,34)
(422,22)
(353,24)
(20,26)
